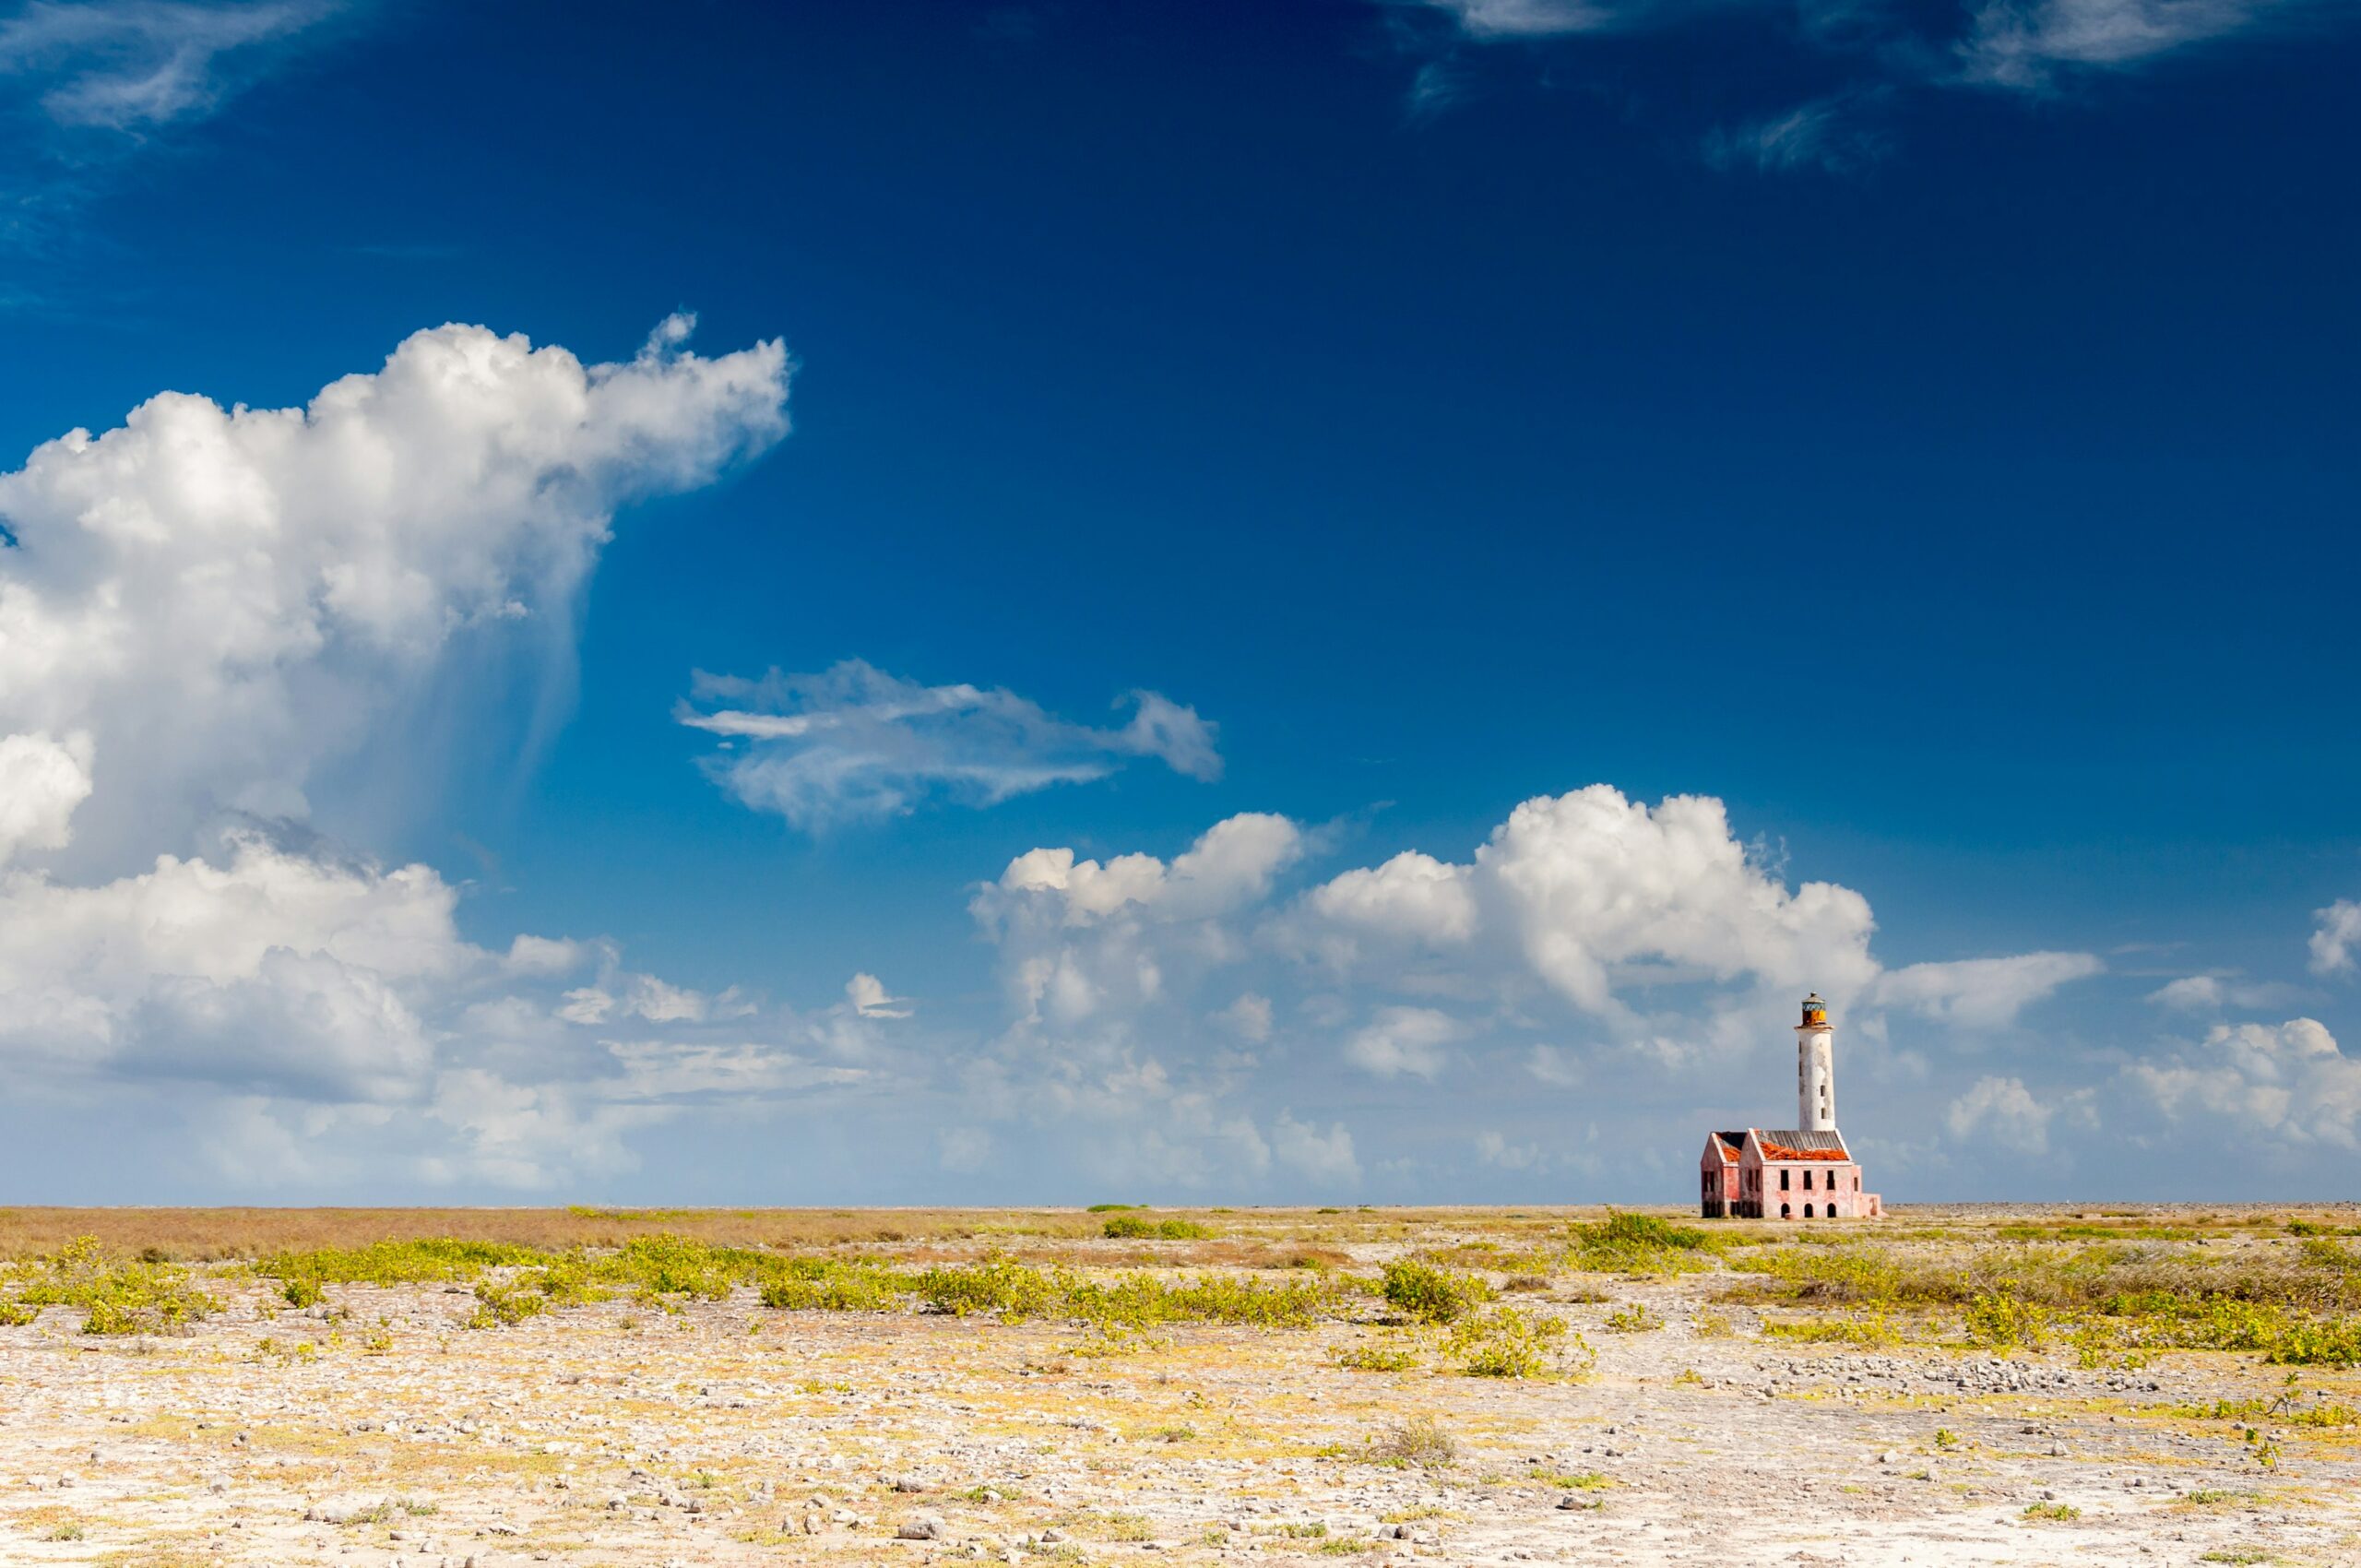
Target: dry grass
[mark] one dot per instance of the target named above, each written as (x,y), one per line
(213,1235)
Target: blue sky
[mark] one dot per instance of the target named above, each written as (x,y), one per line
(1197,603)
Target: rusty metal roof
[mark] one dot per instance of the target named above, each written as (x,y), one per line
(1792,1144)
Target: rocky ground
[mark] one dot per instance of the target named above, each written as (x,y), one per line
(726,1432)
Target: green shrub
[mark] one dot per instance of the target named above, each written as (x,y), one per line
(1638,1244)
(1633,1319)
(566,1282)
(1429,1294)
(1513,1342)
(2327,1344)
(1374,1355)
(1999,1322)
(304,1291)
(499,1305)
(830,1285)
(680,1266)
(1011,1289)
(427,1261)
(1140,1299)
(118,1295)
(1132,1226)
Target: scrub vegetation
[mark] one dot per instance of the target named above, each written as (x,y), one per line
(1464,1384)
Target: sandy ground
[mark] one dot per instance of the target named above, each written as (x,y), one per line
(729,1434)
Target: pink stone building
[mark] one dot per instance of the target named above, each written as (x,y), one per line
(1803,1173)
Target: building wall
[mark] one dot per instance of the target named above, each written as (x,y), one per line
(1716,1184)
(1759,1193)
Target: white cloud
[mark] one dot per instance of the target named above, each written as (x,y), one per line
(2336,938)
(322,994)
(201,608)
(1652,930)
(2001,1111)
(2190,993)
(1402,1040)
(853,743)
(1546,18)
(1827,135)
(42,782)
(125,65)
(1324,1157)
(1554,1065)
(2212,993)
(1230,866)
(869,998)
(2288,1083)
(2031,47)
(1982,992)
(1250,1016)
(1494,1148)
(1412,898)
(2011,43)
(2024,44)
(236,596)
(1597,889)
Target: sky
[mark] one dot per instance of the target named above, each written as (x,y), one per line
(1167,601)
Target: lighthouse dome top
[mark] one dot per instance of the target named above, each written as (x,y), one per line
(1815,1010)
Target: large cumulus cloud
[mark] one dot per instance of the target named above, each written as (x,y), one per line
(223,598)
(202,608)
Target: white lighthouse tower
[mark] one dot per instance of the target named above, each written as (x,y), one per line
(1815,1069)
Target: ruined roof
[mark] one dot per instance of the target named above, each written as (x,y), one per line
(1727,1145)
(1787,1144)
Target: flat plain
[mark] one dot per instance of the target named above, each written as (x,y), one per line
(2133,1384)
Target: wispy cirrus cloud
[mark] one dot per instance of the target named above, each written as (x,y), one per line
(88,86)
(128,66)
(2027,47)
(1827,136)
(1547,19)
(853,743)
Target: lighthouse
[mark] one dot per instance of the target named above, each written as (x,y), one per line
(1815,1069)
(1799,1173)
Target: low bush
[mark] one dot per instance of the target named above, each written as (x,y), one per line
(1869,1329)
(440,1259)
(828,1285)
(498,1306)
(1513,1342)
(2323,1344)
(1374,1355)
(1999,1322)
(1638,1244)
(1132,1226)
(1633,1319)
(1011,1289)
(1429,1294)
(1417,1442)
(118,1296)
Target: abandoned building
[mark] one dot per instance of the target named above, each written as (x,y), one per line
(1802,1173)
